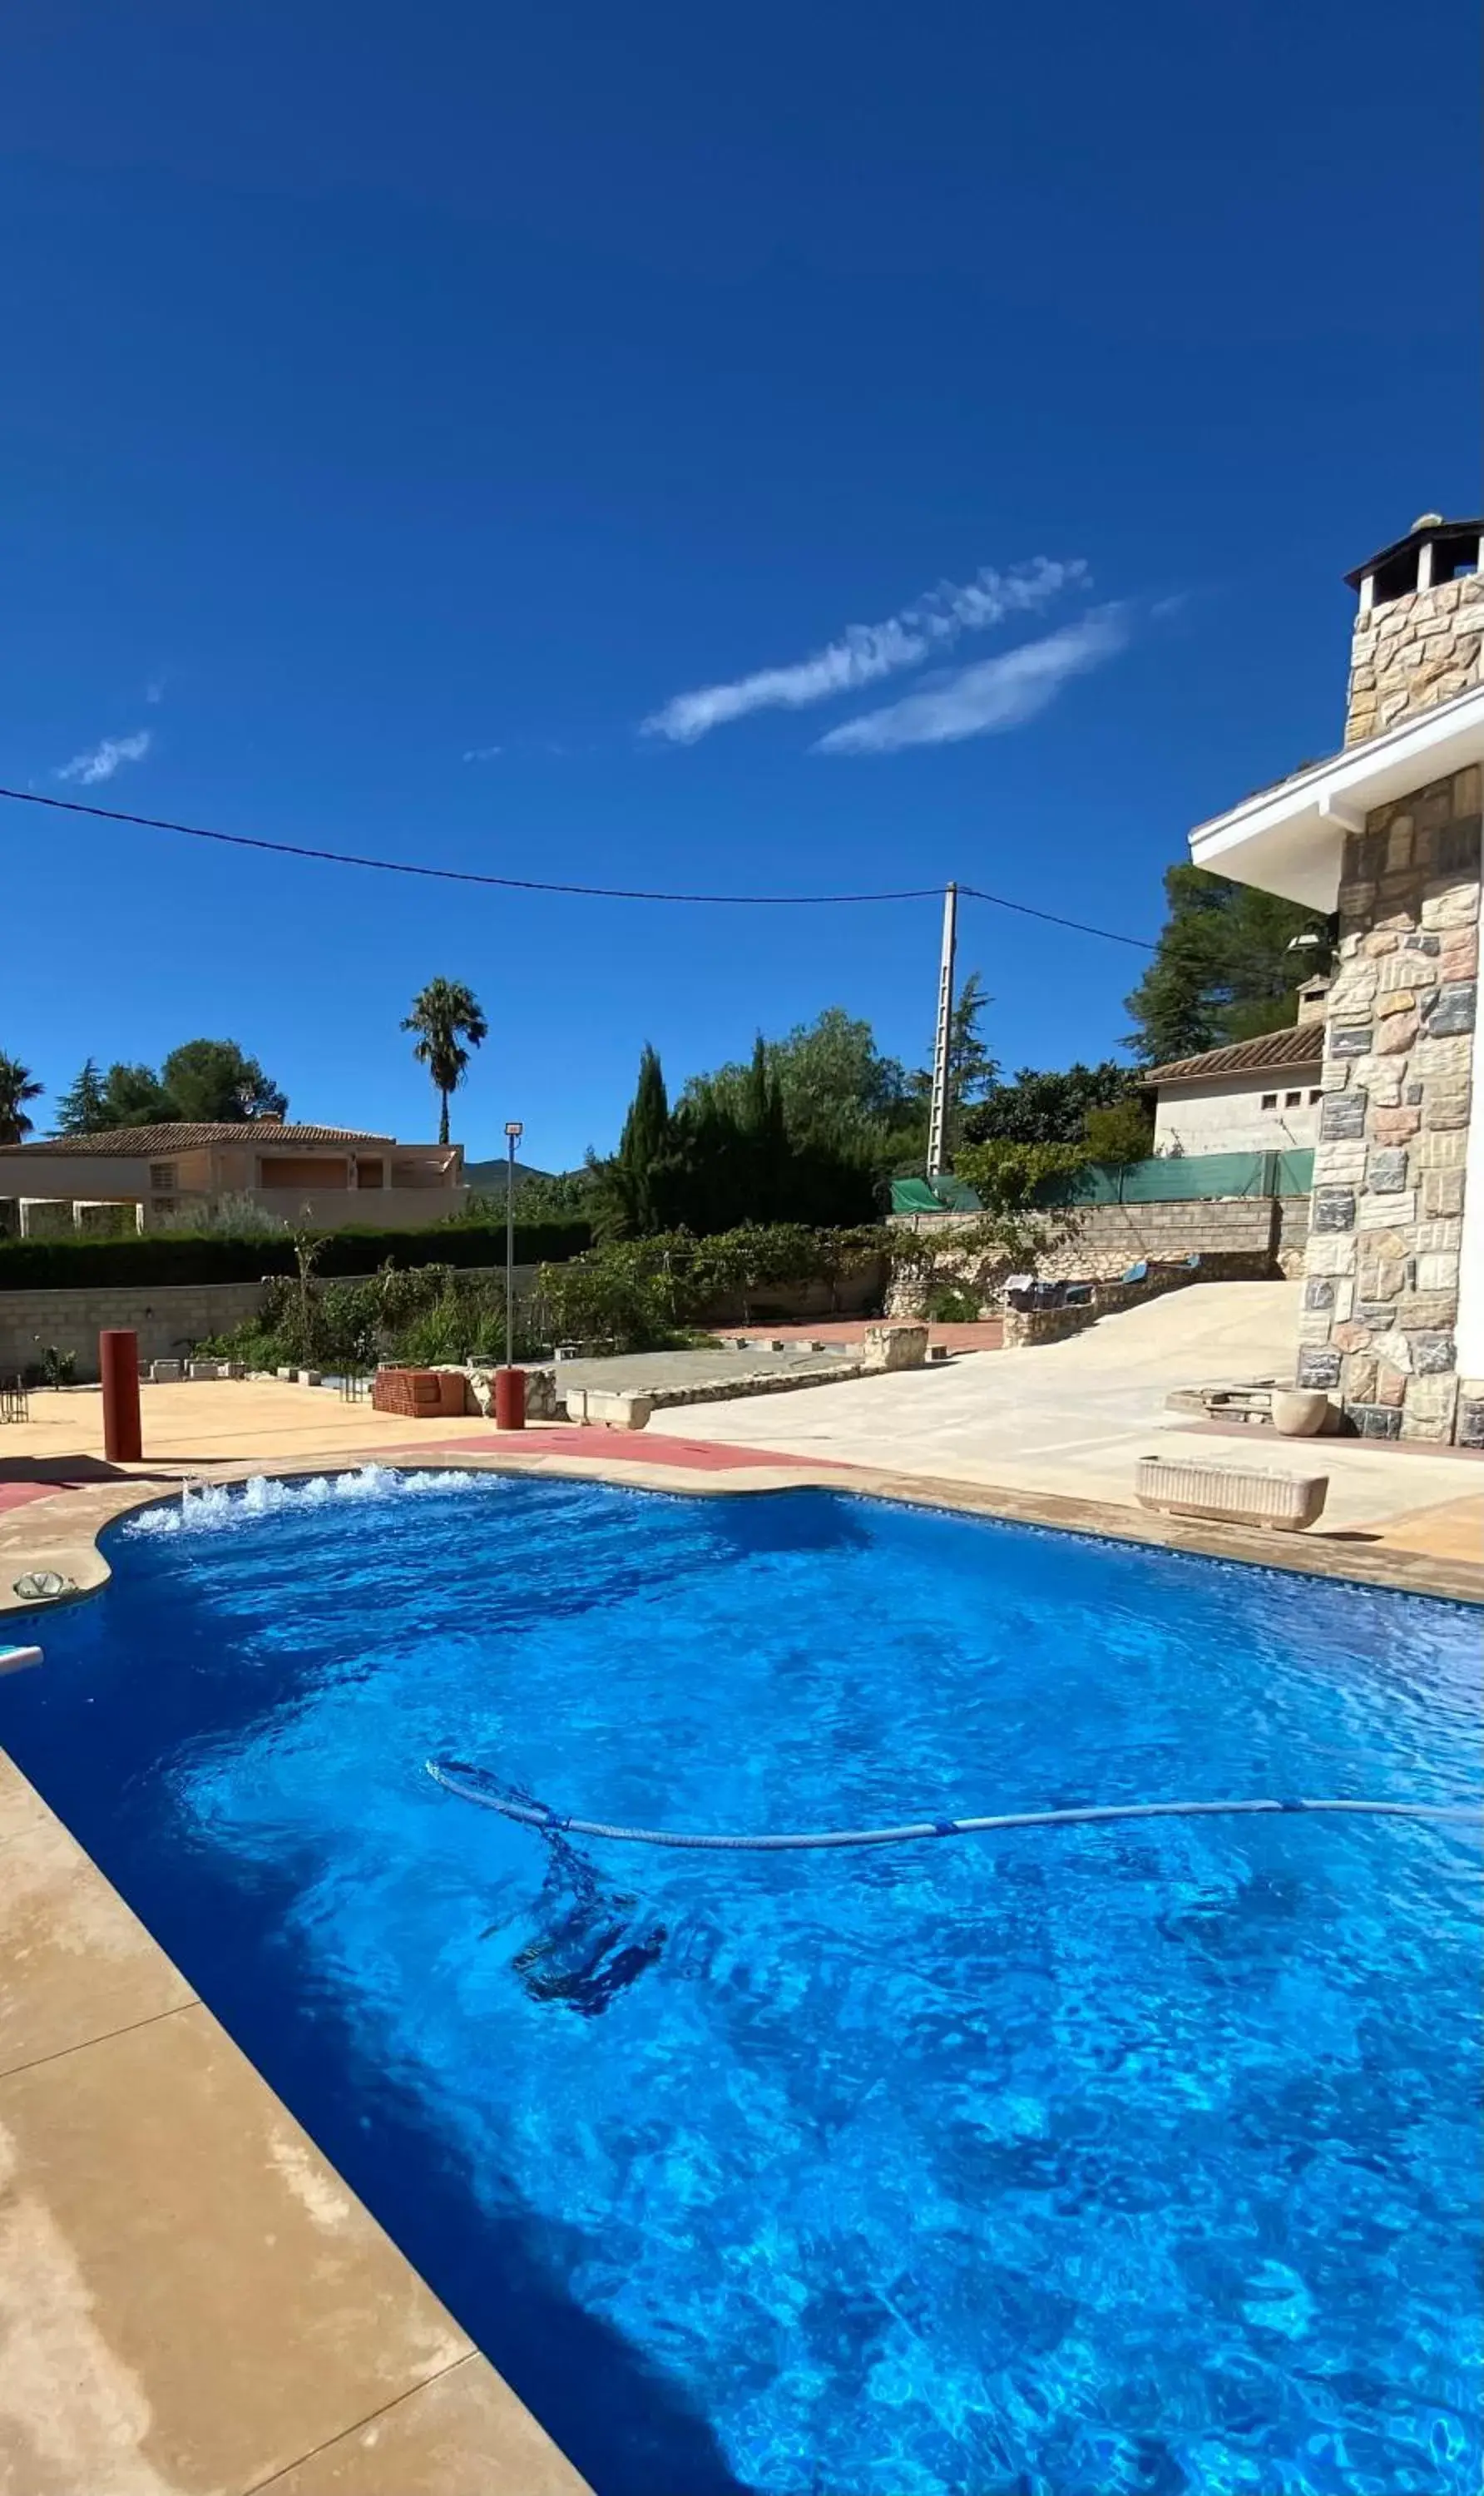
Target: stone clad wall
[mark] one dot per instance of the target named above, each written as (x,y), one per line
(1380,1299)
(1412,653)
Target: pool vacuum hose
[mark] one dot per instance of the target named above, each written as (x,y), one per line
(477,1785)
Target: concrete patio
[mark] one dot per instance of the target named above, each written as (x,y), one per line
(1071,1419)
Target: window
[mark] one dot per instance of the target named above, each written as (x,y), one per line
(1292,1099)
(1317,1094)
(162,1174)
(1270,1100)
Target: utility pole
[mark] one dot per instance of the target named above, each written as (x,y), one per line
(942,1041)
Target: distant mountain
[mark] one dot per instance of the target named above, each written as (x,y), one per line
(488,1178)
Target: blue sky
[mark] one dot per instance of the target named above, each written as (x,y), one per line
(388,387)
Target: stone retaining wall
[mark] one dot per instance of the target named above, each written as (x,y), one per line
(1266,1233)
(1052,1326)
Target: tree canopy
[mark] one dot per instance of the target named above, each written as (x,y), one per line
(725,1156)
(808,1128)
(836,1090)
(203,1081)
(1223,969)
(1050,1108)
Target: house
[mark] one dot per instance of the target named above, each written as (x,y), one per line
(1253,1096)
(1386,835)
(325,1176)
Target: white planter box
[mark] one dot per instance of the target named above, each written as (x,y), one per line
(1230,1494)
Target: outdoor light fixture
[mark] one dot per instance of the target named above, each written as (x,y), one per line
(509,1408)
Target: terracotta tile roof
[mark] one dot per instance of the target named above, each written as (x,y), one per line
(135,1143)
(1297,1044)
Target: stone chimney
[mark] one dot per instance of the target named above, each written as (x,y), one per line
(1310,999)
(1417,625)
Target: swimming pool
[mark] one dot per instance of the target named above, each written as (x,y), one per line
(1141,2158)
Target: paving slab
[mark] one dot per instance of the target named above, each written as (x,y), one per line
(76,1963)
(463,2434)
(192,2302)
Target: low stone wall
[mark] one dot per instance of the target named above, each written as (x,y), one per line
(856,1295)
(1292,1235)
(1266,1233)
(1108,1238)
(1052,1326)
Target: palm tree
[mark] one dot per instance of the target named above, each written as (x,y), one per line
(445,1016)
(17,1086)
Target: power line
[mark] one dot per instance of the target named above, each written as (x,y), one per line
(534,884)
(974,893)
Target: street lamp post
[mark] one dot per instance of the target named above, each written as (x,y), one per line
(509,1381)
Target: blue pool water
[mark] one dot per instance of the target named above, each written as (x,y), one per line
(1134,2159)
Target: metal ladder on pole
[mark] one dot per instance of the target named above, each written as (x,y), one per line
(942,1041)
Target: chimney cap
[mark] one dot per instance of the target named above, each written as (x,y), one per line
(1431,526)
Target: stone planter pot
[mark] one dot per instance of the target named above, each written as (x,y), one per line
(1300,1411)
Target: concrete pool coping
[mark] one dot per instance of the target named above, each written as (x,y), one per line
(191,2298)
(61,1532)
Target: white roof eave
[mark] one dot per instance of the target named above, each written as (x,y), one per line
(1290,840)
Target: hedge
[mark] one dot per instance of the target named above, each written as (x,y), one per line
(162,1257)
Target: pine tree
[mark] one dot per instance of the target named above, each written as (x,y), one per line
(1223,969)
(643,1146)
(84,1107)
(765,1131)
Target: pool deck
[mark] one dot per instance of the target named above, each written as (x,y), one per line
(191,2299)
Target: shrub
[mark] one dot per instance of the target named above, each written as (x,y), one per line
(161,1257)
(430,1315)
(624,1295)
(952,1303)
(1009,1177)
(640,1293)
(229,1217)
(53,1369)
(1123,1133)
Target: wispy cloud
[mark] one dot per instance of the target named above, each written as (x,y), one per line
(997,694)
(154,691)
(864,653)
(87,769)
(482,752)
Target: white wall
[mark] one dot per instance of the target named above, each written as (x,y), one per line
(1223,1113)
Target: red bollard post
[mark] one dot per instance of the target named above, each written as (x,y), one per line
(118,1364)
(509,1399)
